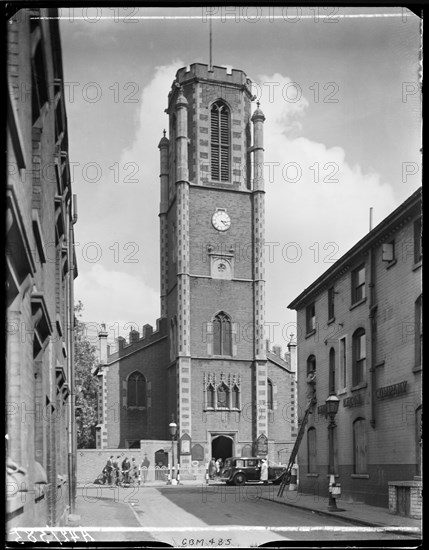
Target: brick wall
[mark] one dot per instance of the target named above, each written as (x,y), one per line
(37,401)
(392,442)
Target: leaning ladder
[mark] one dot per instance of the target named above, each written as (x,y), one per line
(287,475)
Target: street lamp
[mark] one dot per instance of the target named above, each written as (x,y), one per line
(332,403)
(173,429)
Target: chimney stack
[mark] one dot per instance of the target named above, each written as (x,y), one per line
(277,350)
(134,336)
(293,355)
(102,344)
(121,342)
(147,331)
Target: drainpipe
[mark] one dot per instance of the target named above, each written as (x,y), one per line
(72,421)
(373,332)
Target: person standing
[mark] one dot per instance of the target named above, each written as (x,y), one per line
(126,466)
(109,470)
(134,471)
(264,471)
(218,466)
(212,468)
(115,471)
(144,467)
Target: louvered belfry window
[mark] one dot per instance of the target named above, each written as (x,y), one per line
(220,142)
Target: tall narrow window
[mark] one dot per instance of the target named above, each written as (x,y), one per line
(210,397)
(331,371)
(358,284)
(343,363)
(311,364)
(270,395)
(220,142)
(235,398)
(310,314)
(418,334)
(222,335)
(311,451)
(331,303)
(39,92)
(417,240)
(136,390)
(359,356)
(359,447)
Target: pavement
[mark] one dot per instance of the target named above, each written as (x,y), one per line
(354,512)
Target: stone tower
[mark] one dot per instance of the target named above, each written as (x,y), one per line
(212,263)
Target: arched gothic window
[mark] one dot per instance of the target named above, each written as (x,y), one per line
(311,364)
(136,390)
(222,335)
(235,398)
(210,397)
(220,141)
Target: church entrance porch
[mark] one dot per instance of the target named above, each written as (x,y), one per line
(222,447)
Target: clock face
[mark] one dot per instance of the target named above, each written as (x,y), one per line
(220,220)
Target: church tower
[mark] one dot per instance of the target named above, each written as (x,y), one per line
(212,264)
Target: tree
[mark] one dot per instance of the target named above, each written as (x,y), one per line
(86,385)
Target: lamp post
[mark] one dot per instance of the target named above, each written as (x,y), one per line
(173,429)
(332,403)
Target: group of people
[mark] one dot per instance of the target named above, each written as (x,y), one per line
(215,468)
(125,472)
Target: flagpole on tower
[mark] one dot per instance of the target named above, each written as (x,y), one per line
(210,45)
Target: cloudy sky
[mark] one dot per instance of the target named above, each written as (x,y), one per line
(340,91)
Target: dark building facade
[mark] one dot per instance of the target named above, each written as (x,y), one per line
(360,330)
(206,363)
(40,270)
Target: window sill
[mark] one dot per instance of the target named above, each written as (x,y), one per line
(356,304)
(342,391)
(359,386)
(311,333)
(359,476)
(392,263)
(221,409)
(417,265)
(135,408)
(312,475)
(329,475)
(330,321)
(417,368)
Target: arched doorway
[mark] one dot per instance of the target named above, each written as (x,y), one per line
(221,447)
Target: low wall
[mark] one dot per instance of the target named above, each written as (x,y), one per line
(90,462)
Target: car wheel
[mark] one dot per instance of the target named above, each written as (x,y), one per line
(239,479)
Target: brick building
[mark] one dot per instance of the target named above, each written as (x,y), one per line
(41,268)
(360,330)
(206,363)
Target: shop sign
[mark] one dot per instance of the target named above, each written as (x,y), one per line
(391,391)
(353,401)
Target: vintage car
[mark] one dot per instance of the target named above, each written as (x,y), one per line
(240,470)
